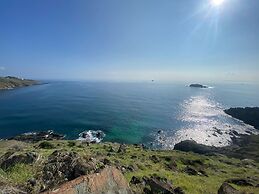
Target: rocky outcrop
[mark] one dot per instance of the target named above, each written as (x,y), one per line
(192,146)
(228,189)
(37,136)
(64,166)
(10,159)
(161,185)
(10,82)
(249,115)
(109,180)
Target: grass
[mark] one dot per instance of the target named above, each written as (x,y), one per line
(219,168)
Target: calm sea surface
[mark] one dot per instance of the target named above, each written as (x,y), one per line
(128,112)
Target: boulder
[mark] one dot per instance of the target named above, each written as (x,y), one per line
(10,159)
(241,181)
(64,166)
(161,185)
(109,180)
(228,189)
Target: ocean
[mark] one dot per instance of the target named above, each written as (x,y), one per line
(155,114)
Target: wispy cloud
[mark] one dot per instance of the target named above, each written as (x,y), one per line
(2,68)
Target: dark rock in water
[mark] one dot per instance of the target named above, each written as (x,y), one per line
(109,180)
(249,115)
(228,189)
(62,166)
(10,159)
(198,86)
(38,136)
(192,146)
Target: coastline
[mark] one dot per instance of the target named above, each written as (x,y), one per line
(44,162)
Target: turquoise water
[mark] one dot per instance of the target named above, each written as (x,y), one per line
(127,112)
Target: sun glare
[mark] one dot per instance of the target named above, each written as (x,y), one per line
(217,2)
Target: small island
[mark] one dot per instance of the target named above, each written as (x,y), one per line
(10,82)
(197,86)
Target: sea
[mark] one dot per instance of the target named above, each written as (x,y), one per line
(151,113)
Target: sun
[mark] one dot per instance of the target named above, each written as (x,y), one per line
(217,2)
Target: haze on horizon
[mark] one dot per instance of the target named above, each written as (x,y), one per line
(170,40)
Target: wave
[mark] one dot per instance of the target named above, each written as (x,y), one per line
(91,136)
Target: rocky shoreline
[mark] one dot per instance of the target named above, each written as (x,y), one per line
(10,82)
(43,162)
(243,146)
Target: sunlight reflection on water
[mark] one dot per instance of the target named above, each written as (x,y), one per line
(204,122)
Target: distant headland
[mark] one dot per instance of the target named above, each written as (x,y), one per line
(10,82)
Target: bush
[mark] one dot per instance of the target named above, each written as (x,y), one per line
(46,145)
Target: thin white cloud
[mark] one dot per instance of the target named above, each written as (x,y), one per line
(2,68)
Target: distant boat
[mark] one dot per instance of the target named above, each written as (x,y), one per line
(152,80)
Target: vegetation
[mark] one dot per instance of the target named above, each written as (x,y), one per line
(133,160)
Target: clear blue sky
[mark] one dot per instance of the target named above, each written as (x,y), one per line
(168,40)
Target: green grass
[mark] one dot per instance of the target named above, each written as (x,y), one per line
(20,173)
(218,168)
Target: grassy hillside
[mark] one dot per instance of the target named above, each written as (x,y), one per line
(194,173)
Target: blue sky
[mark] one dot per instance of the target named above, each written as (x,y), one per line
(168,40)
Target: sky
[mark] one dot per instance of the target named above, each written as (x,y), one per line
(130,40)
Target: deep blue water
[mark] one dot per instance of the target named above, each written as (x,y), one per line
(127,112)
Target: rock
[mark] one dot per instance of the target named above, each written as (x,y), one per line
(32,182)
(122,148)
(155,159)
(241,181)
(249,115)
(132,167)
(197,86)
(228,189)
(135,180)
(172,165)
(178,190)
(159,185)
(109,180)
(10,159)
(192,146)
(190,171)
(38,136)
(63,166)
(106,161)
